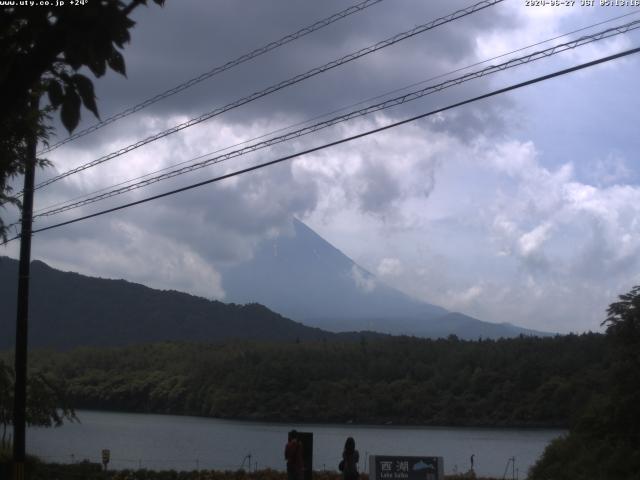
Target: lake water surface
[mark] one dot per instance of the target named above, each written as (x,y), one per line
(189,443)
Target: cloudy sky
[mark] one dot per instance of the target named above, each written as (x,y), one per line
(522,208)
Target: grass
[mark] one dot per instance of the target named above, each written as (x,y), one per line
(38,470)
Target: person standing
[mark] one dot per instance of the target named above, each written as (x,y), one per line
(350,459)
(294,455)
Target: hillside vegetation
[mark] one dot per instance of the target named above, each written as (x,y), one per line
(603,441)
(516,382)
(69,310)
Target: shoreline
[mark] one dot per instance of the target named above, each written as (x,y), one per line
(279,422)
(150,440)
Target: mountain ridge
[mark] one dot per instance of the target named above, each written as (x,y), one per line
(68,309)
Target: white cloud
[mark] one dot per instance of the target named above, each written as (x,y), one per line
(488,219)
(362,279)
(542,249)
(463,298)
(136,255)
(611,170)
(532,241)
(390,267)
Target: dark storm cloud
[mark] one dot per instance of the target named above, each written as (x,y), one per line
(377,190)
(376,187)
(222,223)
(230,217)
(184,39)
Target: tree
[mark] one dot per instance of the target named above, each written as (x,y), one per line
(47,406)
(6,401)
(623,330)
(623,318)
(42,50)
(603,443)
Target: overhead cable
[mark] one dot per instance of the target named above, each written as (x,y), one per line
(341,109)
(347,139)
(215,71)
(408,97)
(279,86)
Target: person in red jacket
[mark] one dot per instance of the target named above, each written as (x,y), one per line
(293,454)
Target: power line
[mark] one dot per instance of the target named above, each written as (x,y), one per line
(215,71)
(341,109)
(422,82)
(279,86)
(587,39)
(347,139)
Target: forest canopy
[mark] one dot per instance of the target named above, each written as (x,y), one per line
(603,441)
(525,381)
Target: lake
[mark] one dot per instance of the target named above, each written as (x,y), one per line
(190,443)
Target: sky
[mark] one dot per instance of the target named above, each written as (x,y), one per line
(520,208)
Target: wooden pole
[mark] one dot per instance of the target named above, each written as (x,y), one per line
(22,317)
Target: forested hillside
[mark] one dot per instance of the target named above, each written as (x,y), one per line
(604,438)
(524,381)
(69,310)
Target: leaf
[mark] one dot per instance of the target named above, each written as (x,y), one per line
(85,89)
(54,90)
(116,62)
(73,55)
(120,37)
(98,67)
(70,113)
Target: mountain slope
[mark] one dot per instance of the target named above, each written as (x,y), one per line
(305,278)
(301,276)
(68,309)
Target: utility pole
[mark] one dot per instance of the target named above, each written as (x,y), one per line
(22,317)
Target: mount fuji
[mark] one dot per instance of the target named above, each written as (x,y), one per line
(305,278)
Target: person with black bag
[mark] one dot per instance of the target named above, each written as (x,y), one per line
(294,455)
(350,457)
